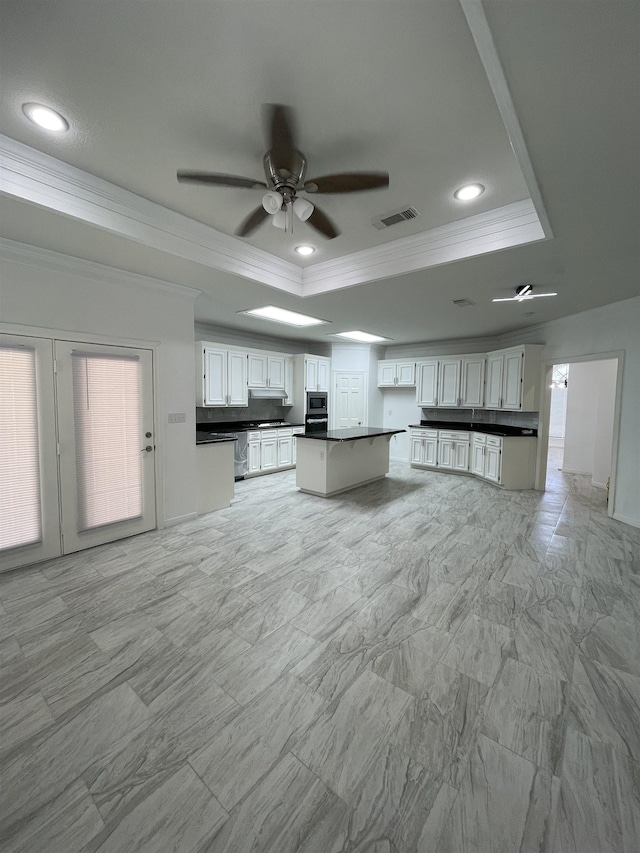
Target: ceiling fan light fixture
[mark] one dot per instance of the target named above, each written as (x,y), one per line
(305,251)
(272,202)
(46,118)
(302,209)
(280,219)
(468,192)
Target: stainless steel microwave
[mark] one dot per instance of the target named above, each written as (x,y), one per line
(317,402)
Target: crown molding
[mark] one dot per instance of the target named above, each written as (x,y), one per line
(501,228)
(30,175)
(21,253)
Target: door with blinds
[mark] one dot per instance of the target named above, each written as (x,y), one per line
(105,443)
(76,447)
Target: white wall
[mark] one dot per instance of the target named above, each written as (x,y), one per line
(48,291)
(580,426)
(603,443)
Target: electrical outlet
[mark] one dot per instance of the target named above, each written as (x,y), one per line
(389,413)
(322,455)
(177,418)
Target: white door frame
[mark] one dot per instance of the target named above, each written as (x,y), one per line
(545,411)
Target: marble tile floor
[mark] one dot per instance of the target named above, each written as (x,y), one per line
(423,665)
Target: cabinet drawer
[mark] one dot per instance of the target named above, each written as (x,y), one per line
(253,435)
(268,434)
(453,436)
(494,441)
(424,433)
(479,438)
(285,433)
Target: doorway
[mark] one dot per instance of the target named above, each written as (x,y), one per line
(77,456)
(350,400)
(580,419)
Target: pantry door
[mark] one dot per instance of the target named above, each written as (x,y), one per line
(106,443)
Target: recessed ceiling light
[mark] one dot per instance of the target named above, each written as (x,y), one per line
(468,192)
(281,315)
(305,250)
(362,337)
(45,117)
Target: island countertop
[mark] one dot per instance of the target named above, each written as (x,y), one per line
(350,433)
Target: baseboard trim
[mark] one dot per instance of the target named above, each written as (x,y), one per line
(632,522)
(180,519)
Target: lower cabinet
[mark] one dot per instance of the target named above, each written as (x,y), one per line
(507,461)
(270,450)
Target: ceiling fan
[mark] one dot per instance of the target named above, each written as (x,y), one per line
(285,170)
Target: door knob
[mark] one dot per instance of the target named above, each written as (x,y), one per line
(147,435)
(148,448)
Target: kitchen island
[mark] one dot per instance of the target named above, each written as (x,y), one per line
(341,459)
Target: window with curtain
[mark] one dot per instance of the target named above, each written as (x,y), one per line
(107,417)
(20,504)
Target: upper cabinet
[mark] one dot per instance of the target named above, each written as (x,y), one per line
(513,379)
(396,374)
(266,371)
(221,376)
(317,373)
(451,382)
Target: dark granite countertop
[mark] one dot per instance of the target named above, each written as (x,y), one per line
(212,437)
(350,433)
(489,429)
(209,432)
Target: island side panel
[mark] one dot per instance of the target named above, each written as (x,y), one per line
(330,467)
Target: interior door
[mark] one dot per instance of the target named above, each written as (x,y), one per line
(106,443)
(350,403)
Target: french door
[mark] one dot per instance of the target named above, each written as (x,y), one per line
(77,446)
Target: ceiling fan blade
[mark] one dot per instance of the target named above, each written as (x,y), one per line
(321,222)
(280,135)
(252,221)
(349,182)
(219,180)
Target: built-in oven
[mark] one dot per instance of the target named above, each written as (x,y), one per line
(317,402)
(316,423)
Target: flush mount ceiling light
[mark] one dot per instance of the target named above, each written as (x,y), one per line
(361,337)
(468,192)
(305,251)
(524,292)
(281,315)
(45,117)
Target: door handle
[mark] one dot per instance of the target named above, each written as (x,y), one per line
(147,449)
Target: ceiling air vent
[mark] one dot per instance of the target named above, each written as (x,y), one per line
(394,217)
(463,303)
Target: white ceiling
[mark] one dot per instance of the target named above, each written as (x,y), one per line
(413,88)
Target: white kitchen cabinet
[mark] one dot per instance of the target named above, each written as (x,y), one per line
(296,431)
(253,452)
(317,373)
(396,374)
(478,445)
(493,459)
(269,450)
(453,450)
(285,449)
(221,376)
(424,448)
(449,382)
(427,383)
(265,371)
(513,379)
(472,368)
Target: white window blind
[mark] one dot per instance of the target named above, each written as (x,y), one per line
(20,508)
(107,416)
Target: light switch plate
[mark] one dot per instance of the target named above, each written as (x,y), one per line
(177,418)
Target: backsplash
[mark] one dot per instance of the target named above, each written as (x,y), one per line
(526,420)
(257,410)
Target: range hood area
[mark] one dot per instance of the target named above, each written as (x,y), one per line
(267,393)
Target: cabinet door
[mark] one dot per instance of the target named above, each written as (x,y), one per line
(285,452)
(493,396)
(461,455)
(512,381)
(324,374)
(257,371)
(215,377)
(406,373)
(238,393)
(492,459)
(416,454)
(445,453)
(269,454)
(427,394)
(449,382)
(472,383)
(311,374)
(294,446)
(477,457)
(275,372)
(431,451)
(386,374)
(253,457)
